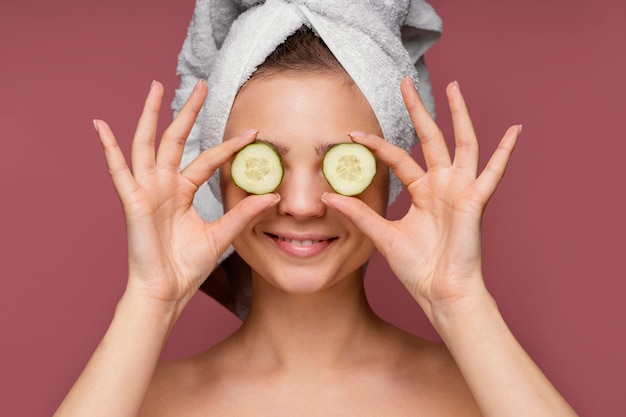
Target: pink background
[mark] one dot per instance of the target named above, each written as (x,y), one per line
(554,233)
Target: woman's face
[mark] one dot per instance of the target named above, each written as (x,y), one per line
(300,245)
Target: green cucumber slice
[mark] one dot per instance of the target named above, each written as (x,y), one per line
(257,168)
(349,168)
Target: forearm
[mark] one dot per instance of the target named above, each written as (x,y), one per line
(116,379)
(504,380)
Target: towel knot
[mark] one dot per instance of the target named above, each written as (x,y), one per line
(392,13)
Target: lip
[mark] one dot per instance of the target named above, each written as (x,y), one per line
(301,246)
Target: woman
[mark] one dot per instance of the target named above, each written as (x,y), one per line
(310,344)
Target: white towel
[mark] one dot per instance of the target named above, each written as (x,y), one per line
(378,42)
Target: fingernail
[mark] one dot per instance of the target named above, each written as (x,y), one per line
(153,83)
(250,132)
(95,124)
(277,199)
(408,79)
(456,83)
(519,129)
(200,81)
(356,134)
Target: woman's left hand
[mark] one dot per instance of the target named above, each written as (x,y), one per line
(435,249)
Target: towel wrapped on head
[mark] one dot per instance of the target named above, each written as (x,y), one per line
(377,42)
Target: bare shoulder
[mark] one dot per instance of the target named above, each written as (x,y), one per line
(169,382)
(182,387)
(429,376)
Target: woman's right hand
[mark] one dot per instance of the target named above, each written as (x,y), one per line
(171,249)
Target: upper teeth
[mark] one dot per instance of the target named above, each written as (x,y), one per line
(299,242)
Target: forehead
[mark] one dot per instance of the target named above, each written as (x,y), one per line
(321,105)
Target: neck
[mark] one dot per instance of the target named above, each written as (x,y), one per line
(295,330)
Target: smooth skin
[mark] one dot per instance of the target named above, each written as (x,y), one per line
(342,359)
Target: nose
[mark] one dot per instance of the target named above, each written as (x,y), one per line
(301,194)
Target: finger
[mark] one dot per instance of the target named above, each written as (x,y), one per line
(224,230)
(201,168)
(466,151)
(142,150)
(400,162)
(431,139)
(123,180)
(173,142)
(489,179)
(367,220)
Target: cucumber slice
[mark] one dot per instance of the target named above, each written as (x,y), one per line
(257,168)
(349,168)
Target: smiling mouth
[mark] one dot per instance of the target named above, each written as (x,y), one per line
(304,242)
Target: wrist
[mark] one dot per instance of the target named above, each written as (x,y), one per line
(149,310)
(473,310)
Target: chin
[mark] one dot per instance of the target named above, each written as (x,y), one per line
(306,281)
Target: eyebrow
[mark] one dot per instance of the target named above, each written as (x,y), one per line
(283,149)
(280,147)
(322,148)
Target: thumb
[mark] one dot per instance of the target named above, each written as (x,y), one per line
(226,228)
(367,220)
